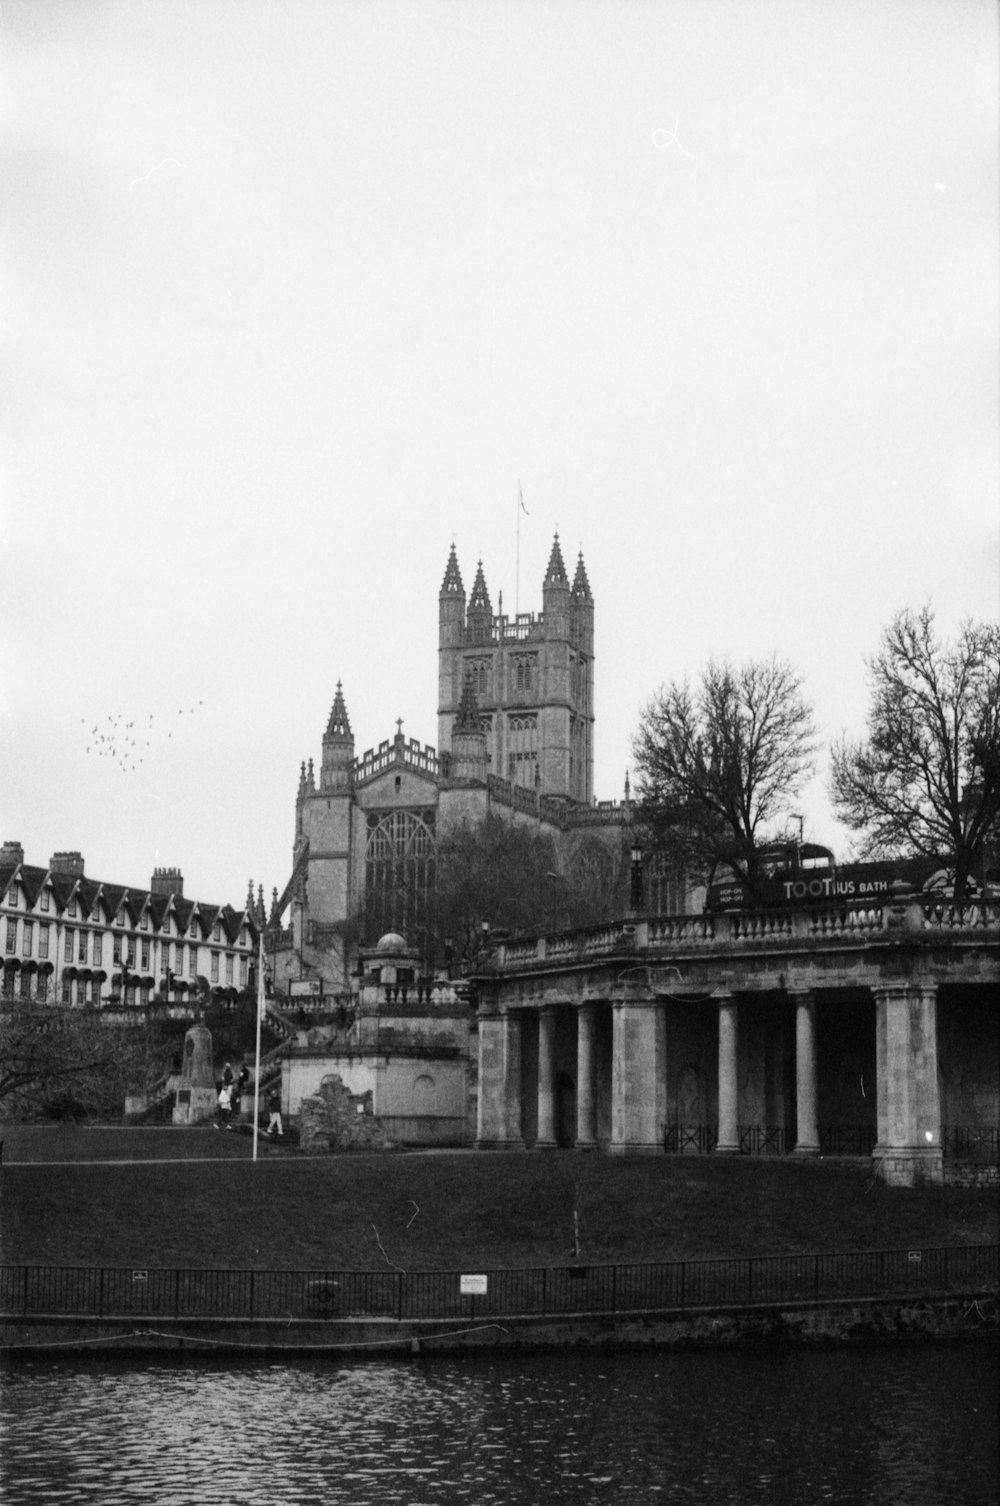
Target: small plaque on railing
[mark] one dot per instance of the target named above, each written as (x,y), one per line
(914,1256)
(140,1275)
(473,1286)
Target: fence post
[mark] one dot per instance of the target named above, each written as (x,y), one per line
(399,1296)
(177,1292)
(750,1279)
(251,1294)
(614,1288)
(545,1288)
(815,1276)
(24,1293)
(100,1295)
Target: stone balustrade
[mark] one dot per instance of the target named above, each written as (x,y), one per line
(754,928)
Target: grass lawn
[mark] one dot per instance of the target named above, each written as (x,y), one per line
(461,1210)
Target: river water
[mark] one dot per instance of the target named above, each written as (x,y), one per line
(900,1425)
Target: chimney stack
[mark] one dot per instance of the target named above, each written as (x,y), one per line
(70,863)
(167,881)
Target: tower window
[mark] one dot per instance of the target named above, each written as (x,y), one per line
(478,672)
(524,676)
(522,750)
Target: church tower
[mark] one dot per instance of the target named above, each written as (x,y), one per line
(531,680)
(325,819)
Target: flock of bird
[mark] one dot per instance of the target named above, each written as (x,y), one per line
(125,742)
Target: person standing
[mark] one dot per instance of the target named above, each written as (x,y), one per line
(225,1107)
(274,1125)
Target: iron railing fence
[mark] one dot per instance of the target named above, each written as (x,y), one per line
(768,1140)
(972,1142)
(101,1292)
(978,1143)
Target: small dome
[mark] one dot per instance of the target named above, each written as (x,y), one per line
(391,942)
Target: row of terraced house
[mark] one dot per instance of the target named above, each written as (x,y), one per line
(70,939)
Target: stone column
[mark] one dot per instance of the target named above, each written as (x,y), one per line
(546,1079)
(498,1112)
(638,1076)
(909,1147)
(806,1122)
(729,1135)
(586,1098)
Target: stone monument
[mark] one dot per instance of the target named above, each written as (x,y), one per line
(196,1094)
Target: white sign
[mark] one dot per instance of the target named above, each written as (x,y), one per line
(472,1286)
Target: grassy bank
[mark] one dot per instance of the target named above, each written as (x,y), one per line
(461,1210)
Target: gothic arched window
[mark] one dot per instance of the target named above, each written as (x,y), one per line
(399,874)
(478,672)
(665,887)
(523,674)
(522,750)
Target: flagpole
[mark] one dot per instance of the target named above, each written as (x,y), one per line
(256,1065)
(517,566)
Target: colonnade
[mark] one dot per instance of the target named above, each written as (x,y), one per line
(908,1100)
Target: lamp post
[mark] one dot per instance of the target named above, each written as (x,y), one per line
(637,899)
(124,964)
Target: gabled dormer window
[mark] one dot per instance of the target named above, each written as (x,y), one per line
(144,921)
(12,896)
(193,927)
(46,900)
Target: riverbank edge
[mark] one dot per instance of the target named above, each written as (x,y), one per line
(840,1322)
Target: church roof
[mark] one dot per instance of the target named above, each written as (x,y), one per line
(452,583)
(338,725)
(581,585)
(556,575)
(480,598)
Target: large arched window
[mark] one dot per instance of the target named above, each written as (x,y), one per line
(595,876)
(399,874)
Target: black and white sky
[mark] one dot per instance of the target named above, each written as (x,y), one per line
(295,294)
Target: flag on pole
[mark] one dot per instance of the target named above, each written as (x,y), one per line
(520,498)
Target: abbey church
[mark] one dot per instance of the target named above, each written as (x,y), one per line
(515,738)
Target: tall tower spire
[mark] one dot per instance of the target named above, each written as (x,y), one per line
(555,575)
(581,585)
(452,583)
(337,767)
(480,617)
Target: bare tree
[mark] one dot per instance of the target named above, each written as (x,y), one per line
(53,1057)
(926,780)
(720,763)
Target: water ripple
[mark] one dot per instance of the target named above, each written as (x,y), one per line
(896,1425)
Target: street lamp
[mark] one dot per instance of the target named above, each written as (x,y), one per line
(124,964)
(637,898)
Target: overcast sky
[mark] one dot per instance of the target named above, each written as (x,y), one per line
(295,294)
